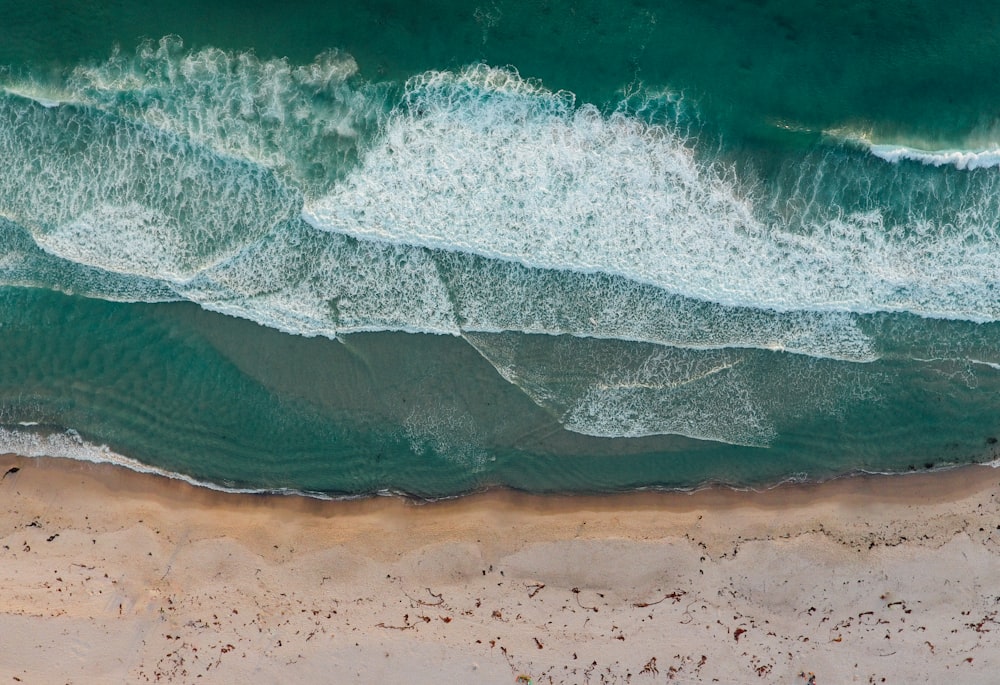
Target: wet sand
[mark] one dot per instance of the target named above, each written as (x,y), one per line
(112,576)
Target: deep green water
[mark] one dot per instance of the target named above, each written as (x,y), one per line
(352,247)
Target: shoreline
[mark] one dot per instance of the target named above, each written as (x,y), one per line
(58,450)
(713,583)
(937,484)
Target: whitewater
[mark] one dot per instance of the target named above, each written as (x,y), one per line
(309,200)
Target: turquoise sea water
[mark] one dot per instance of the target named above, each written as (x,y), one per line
(357,247)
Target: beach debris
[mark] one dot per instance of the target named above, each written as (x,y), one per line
(439,598)
(980,626)
(537,642)
(524,680)
(576,591)
(534,589)
(676,596)
(12,470)
(408,626)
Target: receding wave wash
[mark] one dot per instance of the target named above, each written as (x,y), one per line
(370,267)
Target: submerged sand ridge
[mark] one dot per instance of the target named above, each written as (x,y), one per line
(112,576)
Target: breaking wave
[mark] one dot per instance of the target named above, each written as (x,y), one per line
(960,159)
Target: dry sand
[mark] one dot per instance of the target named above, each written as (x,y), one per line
(107,576)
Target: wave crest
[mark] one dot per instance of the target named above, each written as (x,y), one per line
(960,159)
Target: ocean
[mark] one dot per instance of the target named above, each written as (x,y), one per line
(351,248)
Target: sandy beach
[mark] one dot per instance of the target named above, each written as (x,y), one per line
(112,576)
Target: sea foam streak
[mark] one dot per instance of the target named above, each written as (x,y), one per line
(606,389)
(614,388)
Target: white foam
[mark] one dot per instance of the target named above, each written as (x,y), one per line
(302,281)
(98,190)
(604,306)
(485,204)
(23,263)
(303,121)
(485,162)
(310,282)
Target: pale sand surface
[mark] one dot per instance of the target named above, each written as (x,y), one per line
(108,576)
